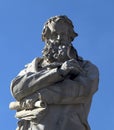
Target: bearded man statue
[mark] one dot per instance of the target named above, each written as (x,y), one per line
(55,92)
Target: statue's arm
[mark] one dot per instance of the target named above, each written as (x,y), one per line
(78,90)
(30,82)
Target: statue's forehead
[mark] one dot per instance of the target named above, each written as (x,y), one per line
(54,26)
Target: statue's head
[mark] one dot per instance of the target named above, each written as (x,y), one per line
(58,33)
(59,29)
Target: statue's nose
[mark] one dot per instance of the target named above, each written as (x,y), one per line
(59,37)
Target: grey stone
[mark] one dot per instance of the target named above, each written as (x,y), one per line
(55,92)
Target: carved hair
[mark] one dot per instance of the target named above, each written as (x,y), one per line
(55,19)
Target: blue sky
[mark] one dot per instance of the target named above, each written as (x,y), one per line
(21,23)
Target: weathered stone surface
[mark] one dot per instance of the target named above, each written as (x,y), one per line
(54,92)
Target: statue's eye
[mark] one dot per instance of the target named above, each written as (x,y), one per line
(64,33)
(54,35)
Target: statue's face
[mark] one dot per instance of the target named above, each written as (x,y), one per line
(57,42)
(59,33)
(57,36)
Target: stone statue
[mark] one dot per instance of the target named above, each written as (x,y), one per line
(54,92)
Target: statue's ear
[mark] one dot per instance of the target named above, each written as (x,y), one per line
(72,53)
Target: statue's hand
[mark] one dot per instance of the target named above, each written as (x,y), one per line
(28,102)
(71,66)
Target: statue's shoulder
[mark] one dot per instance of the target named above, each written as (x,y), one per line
(91,67)
(33,66)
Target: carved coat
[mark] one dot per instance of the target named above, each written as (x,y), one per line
(68,99)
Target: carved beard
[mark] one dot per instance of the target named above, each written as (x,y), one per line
(55,52)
